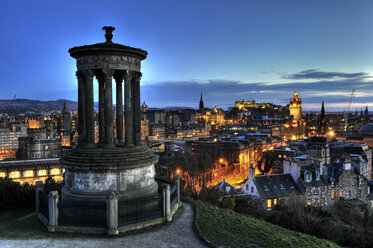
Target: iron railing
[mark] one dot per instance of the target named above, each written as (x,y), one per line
(163,180)
(57,186)
(82,213)
(44,204)
(140,209)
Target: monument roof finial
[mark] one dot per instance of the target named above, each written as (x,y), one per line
(108,33)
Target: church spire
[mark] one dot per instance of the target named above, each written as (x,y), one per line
(64,107)
(366,113)
(201,105)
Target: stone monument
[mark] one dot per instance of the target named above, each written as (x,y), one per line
(119,163)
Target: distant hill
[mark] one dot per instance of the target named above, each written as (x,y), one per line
(26,105)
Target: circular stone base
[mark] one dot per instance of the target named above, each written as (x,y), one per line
(96,172)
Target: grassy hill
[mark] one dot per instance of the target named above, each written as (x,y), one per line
(225,228)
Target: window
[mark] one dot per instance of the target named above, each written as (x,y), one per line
(281,186)
(269,203)
(55,171)
(265,187)
(332,195)
(341,193)
(28,173)
(274,201)
(14,174)
(42,172)
(252,189)
(247,187)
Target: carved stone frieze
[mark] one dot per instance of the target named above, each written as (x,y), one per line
(108,62)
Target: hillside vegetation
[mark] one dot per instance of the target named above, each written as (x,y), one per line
(225,228)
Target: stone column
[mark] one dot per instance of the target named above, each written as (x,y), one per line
(53,210)
(112,214)
(109,139)
(81,108)
(177,181)
(101,108)
(167,202)
(119,107)
(90,111)
(129,109)
(136,106)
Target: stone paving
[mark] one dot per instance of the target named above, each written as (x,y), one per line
(178,234)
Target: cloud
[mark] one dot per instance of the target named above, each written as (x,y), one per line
(315,74)
(223,93)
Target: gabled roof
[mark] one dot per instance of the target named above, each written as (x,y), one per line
(276,186)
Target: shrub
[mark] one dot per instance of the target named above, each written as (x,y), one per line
(15,195)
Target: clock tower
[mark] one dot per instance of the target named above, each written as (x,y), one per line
(296,107)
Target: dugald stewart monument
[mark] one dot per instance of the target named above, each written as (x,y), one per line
(109,186)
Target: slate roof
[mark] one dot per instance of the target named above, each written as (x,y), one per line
(276,186)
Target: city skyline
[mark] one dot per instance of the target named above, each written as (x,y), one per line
(228,51)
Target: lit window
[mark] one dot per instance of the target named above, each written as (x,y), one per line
(274,201)
(55,171)
(332,195)
(42,172)
(341,193)
(28,173)
(14,174)
(269,203)
(2,174)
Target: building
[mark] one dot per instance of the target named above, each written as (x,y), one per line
(271,189)
(324,185)
(295,107)
(157,130)
(31,171)
(40,143)
(9,143)
(201,104)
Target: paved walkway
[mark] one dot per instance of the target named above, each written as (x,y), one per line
(178,234)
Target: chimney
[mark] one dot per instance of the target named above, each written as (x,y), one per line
(251,172)
(347,164)
(321,168)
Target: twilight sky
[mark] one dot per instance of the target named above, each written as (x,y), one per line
(228,50)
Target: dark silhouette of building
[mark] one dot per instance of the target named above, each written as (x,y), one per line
(322,121)
(201,105)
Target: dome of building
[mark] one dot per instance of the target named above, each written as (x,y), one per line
(367,130)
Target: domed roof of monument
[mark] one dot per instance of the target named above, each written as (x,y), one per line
(367,130)
(107,47)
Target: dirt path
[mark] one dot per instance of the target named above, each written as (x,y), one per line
(178,234)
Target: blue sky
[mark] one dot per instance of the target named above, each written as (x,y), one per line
(228,50)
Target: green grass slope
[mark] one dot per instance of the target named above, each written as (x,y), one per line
(225,228)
